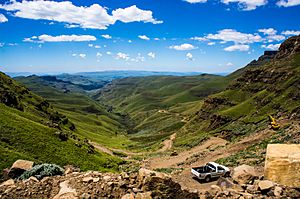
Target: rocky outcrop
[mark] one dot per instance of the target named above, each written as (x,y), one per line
(145,184)
(244,174)
(289,47)
(19,167)
(283,164)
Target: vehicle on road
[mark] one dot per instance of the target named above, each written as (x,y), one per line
(209,171)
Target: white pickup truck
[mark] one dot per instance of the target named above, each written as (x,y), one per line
(209,171)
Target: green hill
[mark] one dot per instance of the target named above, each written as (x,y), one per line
(93,120)
(32,129)
(159,105)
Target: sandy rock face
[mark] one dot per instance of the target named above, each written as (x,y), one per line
(283,164)
(244,174)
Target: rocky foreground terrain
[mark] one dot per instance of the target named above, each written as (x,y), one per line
(144,184)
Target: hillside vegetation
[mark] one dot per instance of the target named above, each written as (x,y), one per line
(32,129)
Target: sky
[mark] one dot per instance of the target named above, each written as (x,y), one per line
(211,36)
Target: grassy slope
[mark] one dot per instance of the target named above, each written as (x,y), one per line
(91,119)
(243,108)
(142,98)
(25,135)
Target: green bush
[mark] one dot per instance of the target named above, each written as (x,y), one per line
(42,170)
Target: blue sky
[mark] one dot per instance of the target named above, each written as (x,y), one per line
(213,36)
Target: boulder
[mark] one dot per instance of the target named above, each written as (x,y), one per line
(144,173)
(146,195)
(19,167)
(9,182)
(265,185)
(66,192)
(244,174)
(225,183)
(128,196)
(278,191)
(283,164)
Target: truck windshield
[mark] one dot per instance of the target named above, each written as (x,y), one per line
(212,167)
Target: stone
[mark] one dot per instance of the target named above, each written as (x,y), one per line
(32,178)
(244,174)
(146,195)
(96,179)
(128,196)
(66,192)
(22,164)
(9,182)
(278,191)
(265,185)
(87,179)
(283,164)
(143,173)
(225,183)
(85,196)
(19,167)
(106,178)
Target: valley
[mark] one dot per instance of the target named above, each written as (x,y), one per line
(163,123)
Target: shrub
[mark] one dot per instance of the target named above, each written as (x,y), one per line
(42,170)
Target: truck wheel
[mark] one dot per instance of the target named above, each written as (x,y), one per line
(207,178)
(227,174)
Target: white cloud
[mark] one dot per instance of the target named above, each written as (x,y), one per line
(83,56)
(268,31)
(74,54)
(247,4)
(229,64)
(211,43)
(189,56)
(132,14)
(91,45)
(288,3)
(129,41)
(106,36)
(291,32)
(122,56)
(60,38)
(272,38)
(151,55)
(144,37)
(199,38)
(98,55)
(183,47)
(97,46)
(94,16)
(227,35)
(237,47)
(1,45)
(156,39)
(3,19)
(108,53)
(196,1)
(271,46)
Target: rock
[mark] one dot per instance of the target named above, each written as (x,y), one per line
(32,178)
(85,196)
(9,182)
(215,187)
(19,167)
(106,178)
(87,179)
(66,192)
(265,185)
(283,163)
(128,196)
(135,190)
(224,183)
(277,191)
(244,174)
(96,179)
(143,173)
(146,195)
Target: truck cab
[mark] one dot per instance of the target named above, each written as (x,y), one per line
(209,171)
